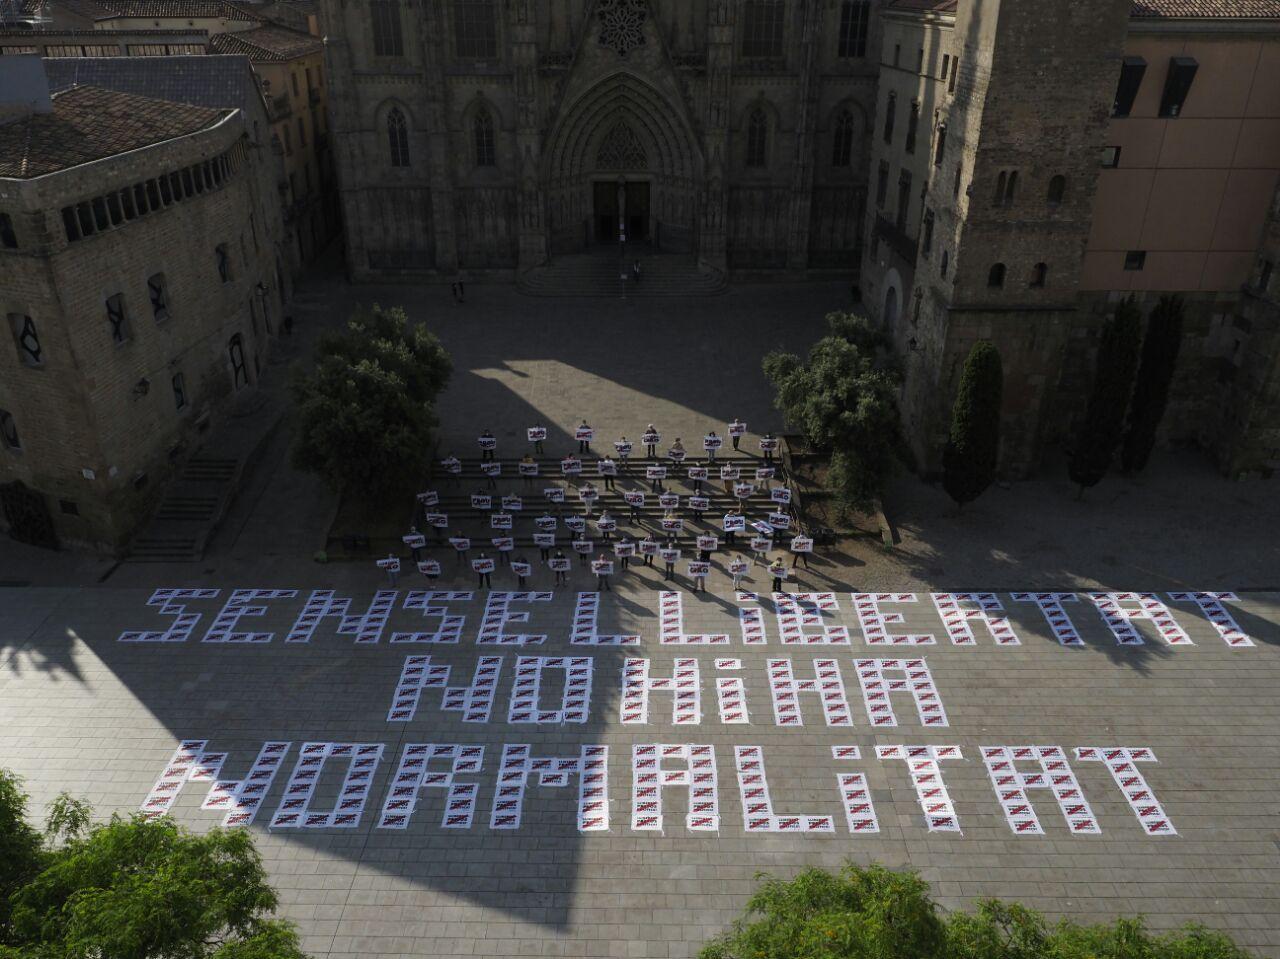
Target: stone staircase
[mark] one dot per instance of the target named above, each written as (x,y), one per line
(599,272)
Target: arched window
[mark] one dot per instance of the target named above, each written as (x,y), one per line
(946,260)
(1012,188)
(398,137)
(1057,189)
(995,278)
(757,138)
(482,130)
(1039,274)
(1006,187)
(842,143)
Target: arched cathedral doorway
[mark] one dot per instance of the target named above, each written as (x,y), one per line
(621,162)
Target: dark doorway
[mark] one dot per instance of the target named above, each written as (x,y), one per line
(606,211)
(28,515)
(638,211)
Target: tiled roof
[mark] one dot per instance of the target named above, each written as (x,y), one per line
(1205,9)
(221,82)
(925,6)
(89,124)
(267,43)
(178,9)
(88,9)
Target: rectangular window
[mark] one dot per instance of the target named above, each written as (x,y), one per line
(940,148)
(1135,259)
(387,40)
(762,28)
(117,319)
(8,239)
(913,126)
(159,296)
(882,184)
(302,132)
(1131,74)
(955,68)
(188,183)
(69,507)
(853,28)
(113,208)
(946,65)
(1110,157)
(294,78)
(475,29)
(904,199)
(890,111)
(288,141)
(1177,84)
(179,391)
(897,54)
(926,238)
(100,218)
(69,224)
(920,60)
(126,202)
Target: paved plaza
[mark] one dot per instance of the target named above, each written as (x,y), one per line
(477,773)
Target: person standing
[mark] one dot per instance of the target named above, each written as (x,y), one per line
(607,469)
(730,525)
(392,565)
(635,271)
(540,432)
(635,502)
(588,494)
(699,578)
(736,429)
(520,565)
(584,445)
(460,546)
(625,549)
(650,432)
(648,547)
(778,570)
(605,525)
(602,578)
(697,481)
(767,444)
(484,577)
(671,555)
(453,469)
(527,475)
(799,556)
(415,548)
(562,575)
(711,443)
(623,449)
(737,569)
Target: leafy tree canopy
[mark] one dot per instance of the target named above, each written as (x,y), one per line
(874,913)
(1099,435)
(844,400)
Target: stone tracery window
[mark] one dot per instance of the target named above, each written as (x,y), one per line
(622,24)
(621,149)
(398,137)
(842,142)
(482,131)
(757,138)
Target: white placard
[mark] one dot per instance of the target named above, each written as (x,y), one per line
(527,469)
(537,433)
(512,503)
(697,472)
(651,439)
(584,434)
(739,566)
(602,567)
(737,428)
(575,523)
(391,564)
(761,544)
(633,498)
(744,490)
(655,472)
(780,520)
(607,468)
(606,525)
(648,547)
(452,465)
(583,546)
(570,466)
(588,493)
(622,449)
(460,543)
(429,567)
(781,495)
(482,565)
(765,473)
(437,520)
(544,540)
(553,494)
(559,564)
(481,501)
(500,521)
(545,523)
(674,525)
(699,569)
(414,540)
(491,469)
(676,455)
(521,569)
(669,500)
(699,504)
(735,523)
(429,498)
(625,549)
(730,473)
(669,555)
(712,442)
(768,445)
(708,544)
(801,544)
(503,543)
(487,442)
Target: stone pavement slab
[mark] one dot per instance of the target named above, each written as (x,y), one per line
(104,719)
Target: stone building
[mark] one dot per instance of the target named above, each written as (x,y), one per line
(487,137)
(290,67)
(1036,160)
(139,297)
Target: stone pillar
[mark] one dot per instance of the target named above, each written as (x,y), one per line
(712,199)
(434,108)
(806,119)
(531,199)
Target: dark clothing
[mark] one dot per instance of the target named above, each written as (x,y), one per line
(484,582)
(777,584)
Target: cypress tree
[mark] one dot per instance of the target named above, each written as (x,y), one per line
(1155,376)
(969,461)
(1112,386)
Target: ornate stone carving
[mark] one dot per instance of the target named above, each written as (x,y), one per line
(622,24)
(621,150)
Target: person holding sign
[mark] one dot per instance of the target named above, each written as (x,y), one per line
(648,548)
(392,565)
(487,445)
(768,444)
(483,566)
(416,543)
(585,434)
(571,466)
(430,568)
(608,469)
(536,435)
(606,524)
(583,548)
(706,546)
(670,555)
(711,443)
(504,545)
(635,500)
(734,522)
(528,469)
(801,547)
(603,569)
(520,566)
(736,431)
(697,474)
(760,546)
(778,570)
(623,449)
(588,494)
(699,572)
(738,569)
(544,542)
(560,566)
(460,545)
(676,453)
(651,440)
(453,469)
(491,471)
(624,550)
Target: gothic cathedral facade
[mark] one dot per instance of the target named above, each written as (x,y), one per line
(484,137)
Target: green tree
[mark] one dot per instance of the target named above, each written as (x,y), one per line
(973,451)
(146,889)
(367,410)
(1155,375)
(21,846)
(873,913)
(844,401)
(1103,423)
